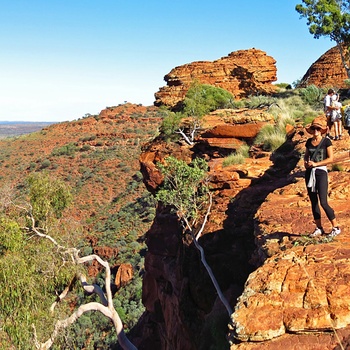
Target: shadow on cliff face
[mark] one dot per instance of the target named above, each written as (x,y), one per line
(231,252)
(242,209)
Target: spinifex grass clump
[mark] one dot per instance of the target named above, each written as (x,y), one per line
(237,157)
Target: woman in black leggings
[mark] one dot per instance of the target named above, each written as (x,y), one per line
(318,154)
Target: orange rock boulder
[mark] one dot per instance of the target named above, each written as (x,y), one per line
(242,73)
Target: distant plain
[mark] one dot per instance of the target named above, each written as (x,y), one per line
(13,129)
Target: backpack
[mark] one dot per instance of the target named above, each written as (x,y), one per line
(346,117)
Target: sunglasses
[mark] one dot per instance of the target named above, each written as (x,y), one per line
(315,128)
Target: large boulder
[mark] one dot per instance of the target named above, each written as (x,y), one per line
(242,73)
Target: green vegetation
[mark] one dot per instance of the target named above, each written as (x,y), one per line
(313,96)
(285,86)
(46,163)
(329,18)
(48,198)
(31,272)
(186,190)
(287,107)
(305,240)
(237,157)
(271,137)
(200,100)
(171,124)
(184,186)
(260,101)
(67,150)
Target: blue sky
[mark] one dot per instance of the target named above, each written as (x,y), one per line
(61,59)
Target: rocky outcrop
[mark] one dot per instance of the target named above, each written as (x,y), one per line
(222,131)
(327,71)
(124,275)
(231,128)
(243,73)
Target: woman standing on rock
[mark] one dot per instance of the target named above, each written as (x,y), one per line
(318,154)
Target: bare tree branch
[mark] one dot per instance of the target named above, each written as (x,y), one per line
(182,133)
(198,235)
(203,259)
(93,288)
(62,295)
(106,308)
(196,127)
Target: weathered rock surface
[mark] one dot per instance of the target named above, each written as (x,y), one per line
(327,71)
(242,73)
(302,285)
(225,130)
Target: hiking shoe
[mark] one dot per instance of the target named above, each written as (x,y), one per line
(335,232)
(318,232)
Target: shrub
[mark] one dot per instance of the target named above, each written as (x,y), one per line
(183,185)
(270,137)
(284,86)
(309,117)
(67,150)
(85,148)
(237,157)
(88,138)
(312,95)
(170,124)
(45,164)
(260,101)
(31,272)
(48,197)
(202,98)
(337,167)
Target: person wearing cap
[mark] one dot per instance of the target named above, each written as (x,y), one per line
(318,154)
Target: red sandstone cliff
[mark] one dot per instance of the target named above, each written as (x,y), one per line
(242,73)
(254,236)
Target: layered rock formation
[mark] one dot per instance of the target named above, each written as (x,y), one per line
(243,73)
(255,235)
(302,285)
(327,71)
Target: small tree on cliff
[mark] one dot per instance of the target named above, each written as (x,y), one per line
(185,188)
(329,18)
(200,100)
